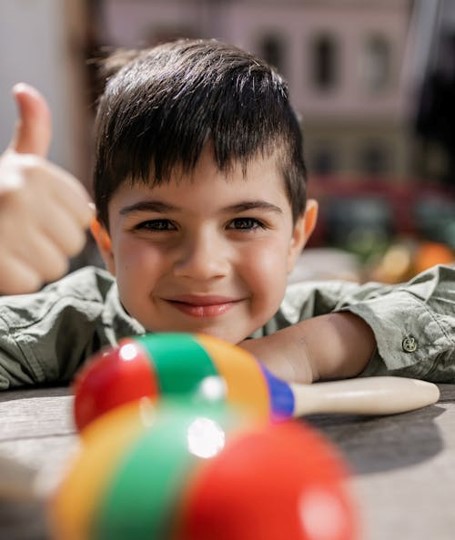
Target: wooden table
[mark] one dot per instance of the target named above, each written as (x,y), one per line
(403,466)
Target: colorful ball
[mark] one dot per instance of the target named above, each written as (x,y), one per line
(282,481)
(196,365)
(186,472)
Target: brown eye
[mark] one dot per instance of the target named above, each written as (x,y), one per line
(156,225)
(246,224)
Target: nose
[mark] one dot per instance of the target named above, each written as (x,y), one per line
(202,257)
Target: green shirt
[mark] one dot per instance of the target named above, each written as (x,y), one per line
(46,336)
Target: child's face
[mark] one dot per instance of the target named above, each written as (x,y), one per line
(207,252)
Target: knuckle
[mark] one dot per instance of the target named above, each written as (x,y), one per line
(87,215)
(22,282)
(56,269)
(75,242)
(31,284)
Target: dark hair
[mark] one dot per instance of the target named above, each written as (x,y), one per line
(162,105)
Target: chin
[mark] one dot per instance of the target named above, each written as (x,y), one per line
(226,335)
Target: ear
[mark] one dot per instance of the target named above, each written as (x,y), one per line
(303,229)
(104,243)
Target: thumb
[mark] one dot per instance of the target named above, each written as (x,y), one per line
(33,130)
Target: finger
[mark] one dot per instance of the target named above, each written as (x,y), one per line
(44,240)
(41,255)
(72,195)
(34,128)
(53,187)
(18,277)
(64,230)
(52,263)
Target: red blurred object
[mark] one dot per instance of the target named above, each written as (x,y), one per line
(286,482)
(112,378)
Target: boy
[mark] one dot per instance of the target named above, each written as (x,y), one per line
(201,213)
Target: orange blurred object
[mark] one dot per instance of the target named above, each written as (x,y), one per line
(429,254)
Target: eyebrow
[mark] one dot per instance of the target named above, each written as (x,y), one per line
(254,205)
(147,206)
(161,207)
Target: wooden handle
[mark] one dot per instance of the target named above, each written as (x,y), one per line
(366,396)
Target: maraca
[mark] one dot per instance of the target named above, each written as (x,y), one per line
(201,472)
(209,368)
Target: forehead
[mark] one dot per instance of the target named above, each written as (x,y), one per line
(261,177)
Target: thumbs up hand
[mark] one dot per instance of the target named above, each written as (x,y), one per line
(44,210)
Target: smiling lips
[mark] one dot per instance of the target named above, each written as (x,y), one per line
(203,306)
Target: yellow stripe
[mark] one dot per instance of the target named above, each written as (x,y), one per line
(246,385)
(104,442)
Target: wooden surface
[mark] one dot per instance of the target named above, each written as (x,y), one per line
(403,466)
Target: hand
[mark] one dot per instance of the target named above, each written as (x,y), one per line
(44,211)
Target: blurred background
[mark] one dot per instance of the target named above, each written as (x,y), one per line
(373,80)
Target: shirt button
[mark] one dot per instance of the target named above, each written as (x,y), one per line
(409,344)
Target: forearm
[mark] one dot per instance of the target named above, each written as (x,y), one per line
(332,346)
(338,345)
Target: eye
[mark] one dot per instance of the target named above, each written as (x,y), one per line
(156,225)
(246,224)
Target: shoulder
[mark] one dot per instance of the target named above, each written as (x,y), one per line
(311,298)
(303,300)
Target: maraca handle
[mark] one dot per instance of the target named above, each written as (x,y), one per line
(368,396)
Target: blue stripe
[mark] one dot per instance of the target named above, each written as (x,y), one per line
(281,396)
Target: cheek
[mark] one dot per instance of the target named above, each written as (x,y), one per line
(136,263)
(267,271)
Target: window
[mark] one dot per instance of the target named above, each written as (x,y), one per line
(374,159)
(272,50)
(325,69)
(323,161)
(376,64)
(359,223)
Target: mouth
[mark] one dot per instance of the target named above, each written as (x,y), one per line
(203,306)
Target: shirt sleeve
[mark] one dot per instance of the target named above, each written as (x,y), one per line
(15,368)
(414,327)
(46,336)
(413,323)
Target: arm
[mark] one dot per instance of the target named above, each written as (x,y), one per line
(46,336)
(44,211)
(332,346)
(332,329)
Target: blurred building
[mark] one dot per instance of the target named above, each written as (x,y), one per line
(353,67)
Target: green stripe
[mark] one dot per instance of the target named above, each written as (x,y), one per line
(144,495)
(181,362)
